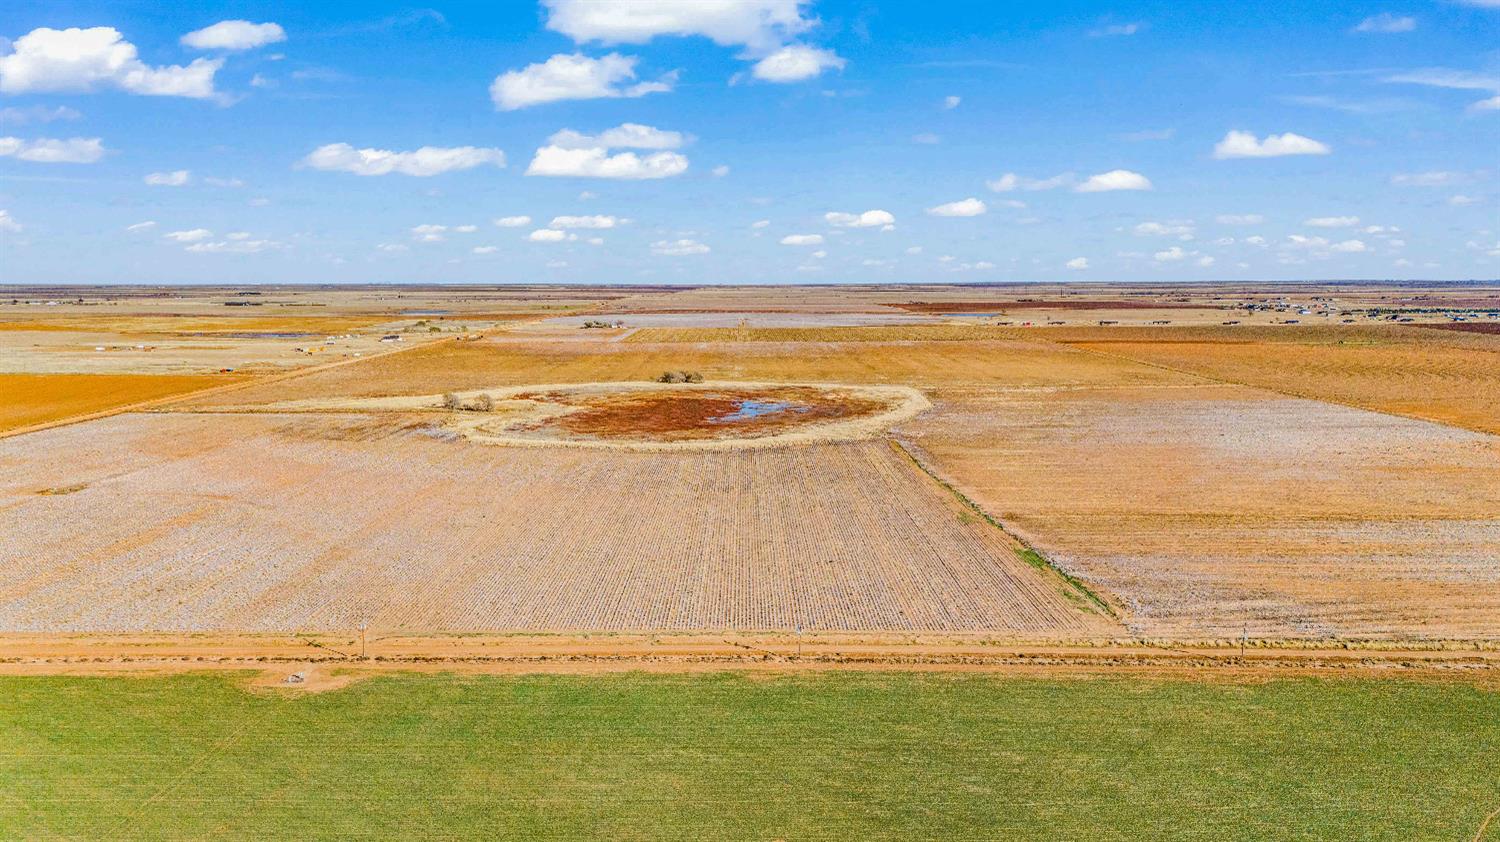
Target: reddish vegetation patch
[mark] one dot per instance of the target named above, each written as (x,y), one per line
(1468,327)
(1035,304)
(689,415)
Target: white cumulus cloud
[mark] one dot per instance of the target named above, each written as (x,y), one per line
(868,219)
(963,207)
(571,153)
(428,233)
(1010,181)
(8,222)
(598,163)
(238,246)
(1348,247)
(1172,228)
(1387,23)
(796,62)
(512,221)
(192,235)
(1238,144)
(678,248)
(623,136)
(573,76)
(1115,30)
(1114,180)
(234,35)
(424,162)
(599,221)
(547,235)
(46,150)
(82,60)
(758,25)
(1078,263)
(1239,219)
(802,240)
(1332,221)
(175,178)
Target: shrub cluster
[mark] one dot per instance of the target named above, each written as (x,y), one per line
(483,403)
(680,377)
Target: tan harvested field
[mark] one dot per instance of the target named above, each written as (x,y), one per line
(192,528)
(1288,481)
(1449,377)
(1213,511)
(872,333)
(508,362)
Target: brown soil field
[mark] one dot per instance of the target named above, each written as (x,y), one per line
(1218,510)
(500,362)
(1387,370)
(191,527)
(27,399)
(1007,305)
(686,416)
(1492,328)
(131,325)
(880,333)
(1208,480)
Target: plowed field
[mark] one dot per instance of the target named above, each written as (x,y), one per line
(1221,510)
(286,522)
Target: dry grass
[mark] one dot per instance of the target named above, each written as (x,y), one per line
(27,399)
(1210,510)
(191,526)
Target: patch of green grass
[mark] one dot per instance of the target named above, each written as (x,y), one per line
(859,755)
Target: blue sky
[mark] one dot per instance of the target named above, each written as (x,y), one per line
(732,141)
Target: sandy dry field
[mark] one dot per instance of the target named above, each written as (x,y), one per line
(1444,376)
(500,361)
(1291,481)
(1209,511)
(191,527)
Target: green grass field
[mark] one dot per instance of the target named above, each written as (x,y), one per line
(862,755)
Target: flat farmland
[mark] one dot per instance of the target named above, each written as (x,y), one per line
(27,399)
(1444,376)
(501,361)
(357,520)
(836,755)
(860,333)
(1215,510)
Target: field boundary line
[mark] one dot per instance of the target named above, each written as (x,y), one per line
(240,383)
(1029,554)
